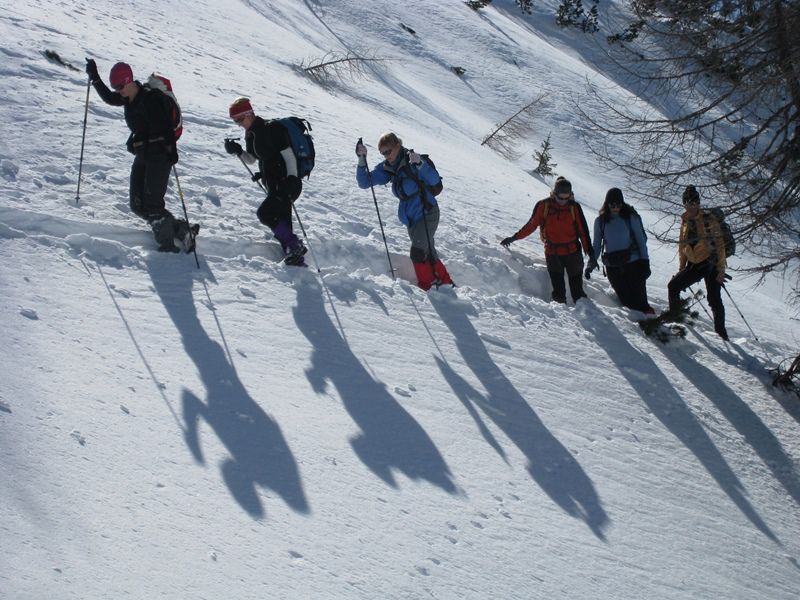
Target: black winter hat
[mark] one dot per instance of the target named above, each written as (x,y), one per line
(562,186)
(690,194)
(614,196)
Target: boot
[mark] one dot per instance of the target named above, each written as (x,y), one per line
(719,322)
(295,252)
(163,227)
(185,234)
(441,274)
(424,275)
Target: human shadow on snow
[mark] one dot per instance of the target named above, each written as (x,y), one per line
(666,404)
(259,453)
(746,422)
(390,438)
(550,463)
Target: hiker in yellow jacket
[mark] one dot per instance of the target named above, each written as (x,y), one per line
(701,252)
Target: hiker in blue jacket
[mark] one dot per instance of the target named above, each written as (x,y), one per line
(619,232)
(418,210)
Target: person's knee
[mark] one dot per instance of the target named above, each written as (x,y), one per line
(418,255)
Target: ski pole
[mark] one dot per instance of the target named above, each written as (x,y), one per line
(740,313)
(767,354)
(380,221)
(294,210)
(186,216)
(83,141)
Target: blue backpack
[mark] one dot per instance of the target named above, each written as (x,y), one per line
(302,143)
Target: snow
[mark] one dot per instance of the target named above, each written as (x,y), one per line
(248,430)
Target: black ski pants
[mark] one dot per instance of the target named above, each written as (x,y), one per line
(691,274)
(148,185)
(630,284)
(572,263)
(274,209)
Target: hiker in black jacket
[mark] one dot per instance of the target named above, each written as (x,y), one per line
(152,143)
(268,143)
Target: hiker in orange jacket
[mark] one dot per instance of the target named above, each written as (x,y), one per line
(564,233)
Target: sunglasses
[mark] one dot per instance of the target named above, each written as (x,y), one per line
(239,120)
(614,204)
(386,152)
(563,196)
(118,88)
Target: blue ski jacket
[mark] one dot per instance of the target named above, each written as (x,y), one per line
(404,177)
(620,233)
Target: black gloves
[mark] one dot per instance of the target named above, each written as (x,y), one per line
(256,176)
(233,147)
(508,241)
(590,266)
(91,70)
(645,268)
(361,153)
(290,188)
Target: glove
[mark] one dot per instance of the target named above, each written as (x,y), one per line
(361,152)
(590,266)
(232,147)
(508,241)
(646,268)
(414,158)
(256,176)
(290,188)
(91,70)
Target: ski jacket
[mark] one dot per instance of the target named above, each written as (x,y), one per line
(148,116)
(620,233)
(406,182)
(268,143)
(700,240)
(563,227)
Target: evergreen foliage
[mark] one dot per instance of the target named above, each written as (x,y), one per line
(571,13)
(544,158)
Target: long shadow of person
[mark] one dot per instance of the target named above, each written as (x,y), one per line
(666,404)
(259,454)
(741,416)
(758,368)
(550,464)
(390,438)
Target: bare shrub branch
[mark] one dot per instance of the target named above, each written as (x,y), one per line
(505,136)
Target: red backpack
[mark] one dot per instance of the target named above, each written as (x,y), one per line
(164,85)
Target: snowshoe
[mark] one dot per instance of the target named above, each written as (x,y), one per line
(295,255)
(187,237)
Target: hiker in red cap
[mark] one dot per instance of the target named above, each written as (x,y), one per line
(149,114)
(267,142)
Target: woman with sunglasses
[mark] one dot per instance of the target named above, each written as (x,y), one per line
(701,251)
(619,232)
(564,233)
(416,183)
(148,114)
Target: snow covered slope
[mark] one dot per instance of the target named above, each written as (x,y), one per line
(248,430)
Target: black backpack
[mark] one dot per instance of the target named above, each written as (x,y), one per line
(727,234)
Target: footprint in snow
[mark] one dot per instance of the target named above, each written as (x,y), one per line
(29,313)
(5,407)
(247,292)
(8,170)
(401,392)
(77,435)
